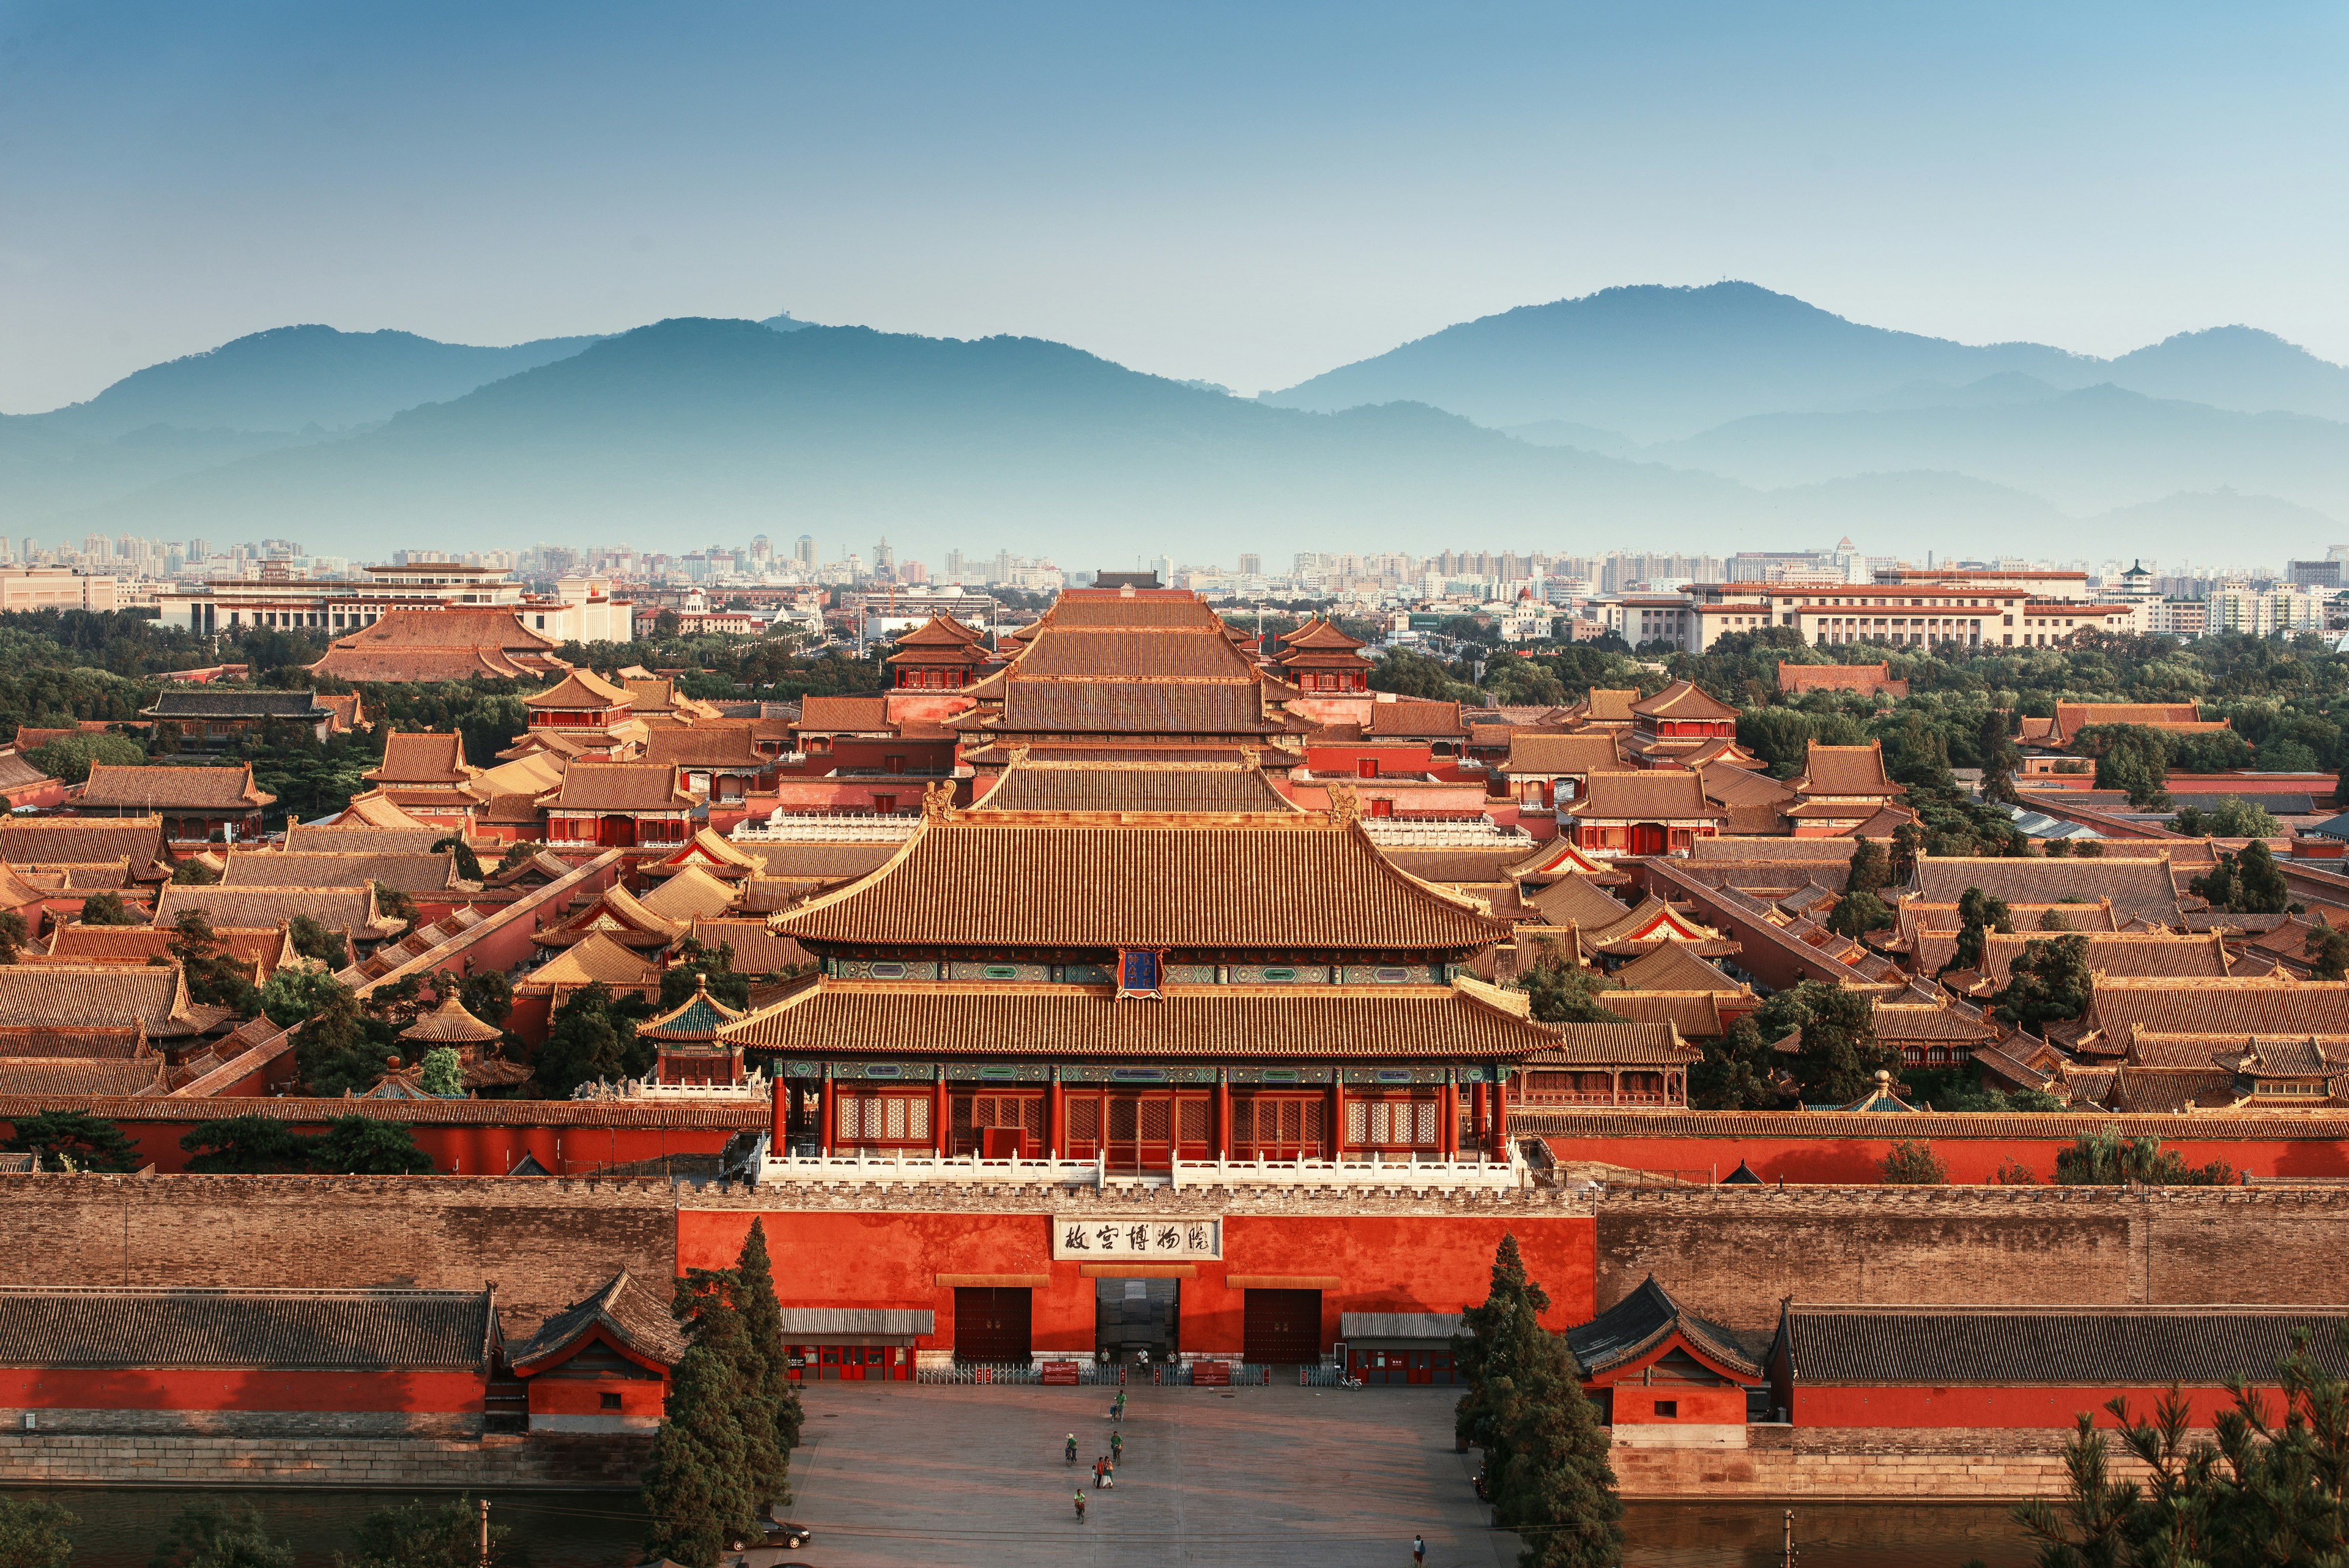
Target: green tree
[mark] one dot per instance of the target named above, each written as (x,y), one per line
(1558,1492)
(295,994)
(313,940)
(487,995)
(1545,1452)
(13,935)
(75,1137)
(1840,1054)
(717,1456)
(713,967)
(2247,883)
(35,1533)
(2231,818)
(362,1146)
(2132,758)
(213,976)
(194,874)
(591,1037)
(1994,743)
(2107,1160)
(1737,1072)
(1857,914)
(1911,1163)
(2327,951)
(392,903)
(245,1145)
(1565,993)
(1979,914)
(428,1535)
(2049,982)
(70,757)
(1907,844)
(443,1074)
(207,1536)
(1870,869)
(468,865)
(107,909)
(762,1324)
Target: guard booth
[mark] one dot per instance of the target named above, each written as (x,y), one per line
(854,1345)
(1402,1347)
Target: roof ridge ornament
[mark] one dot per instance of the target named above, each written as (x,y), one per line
(1345,806)
(937,802)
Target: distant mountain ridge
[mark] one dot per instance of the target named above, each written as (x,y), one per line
(667,434)
(1660,363)
(292,378)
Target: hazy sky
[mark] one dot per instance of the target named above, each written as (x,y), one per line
(1249,193)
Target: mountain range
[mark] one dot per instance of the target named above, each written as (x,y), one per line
(1719,418)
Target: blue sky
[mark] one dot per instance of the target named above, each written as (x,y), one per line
(1249,193)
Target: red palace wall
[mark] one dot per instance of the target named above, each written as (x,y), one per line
(1401,1264)
(419,1393)
(1970,1162)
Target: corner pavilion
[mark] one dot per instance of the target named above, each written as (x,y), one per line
(1140,988)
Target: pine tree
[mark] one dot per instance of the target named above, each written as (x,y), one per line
(1869,869)
(1560,1489)
(762,1320)
(2049,982)
(699,1491)
(2260,887)
(1490,1353)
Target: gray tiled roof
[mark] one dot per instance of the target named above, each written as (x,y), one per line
(2087,1346)
(622,1308)
(129,1326)
(1642,1321)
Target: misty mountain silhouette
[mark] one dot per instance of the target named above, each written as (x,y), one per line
(1661,363)
(290,378)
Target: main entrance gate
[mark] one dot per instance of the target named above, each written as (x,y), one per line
(1131,1316)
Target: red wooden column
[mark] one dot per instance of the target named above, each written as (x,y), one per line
(1447,1118)
(823,1114)
(779,1109)
(1223,1145)
(1476,1115)
(1501,1113)
(939,1119)
(1338,1113)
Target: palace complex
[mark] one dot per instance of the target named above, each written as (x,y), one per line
(1127,987)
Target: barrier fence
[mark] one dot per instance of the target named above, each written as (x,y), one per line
(1101,1375)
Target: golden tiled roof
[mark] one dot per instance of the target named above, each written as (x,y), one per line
(451,644)
(1845,769)
(596,959)
(582,690)
(1135,787)
(2121,1008)
(1614,1044)
(1669,794)
(1682,699)
(2136,888)
(757,949)
(425,872)
(173,788)
(1572,751)
(83,840)
(348,908)
(449,1024)
(617,787)
(1264,882)
(710,743)
(422,757)
(1214,1023)
(689,893)
(836,715)
(1671,967)
(155,997)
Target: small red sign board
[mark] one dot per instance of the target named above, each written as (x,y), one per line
(1211,1374)
(984,1375)
(1061,1373)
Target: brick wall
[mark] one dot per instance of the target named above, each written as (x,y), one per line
(602,1464)
(1734,1254)
(545,1242)
(1837,1465)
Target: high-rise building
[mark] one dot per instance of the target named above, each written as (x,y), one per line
(804,552)
(2324,574)
(885,559)
(1251,566)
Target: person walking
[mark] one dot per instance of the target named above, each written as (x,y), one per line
(1100,1467)
(1081,1508)
(1072,1449)
(1419,1552)
(1116,1447)
(1109,1476)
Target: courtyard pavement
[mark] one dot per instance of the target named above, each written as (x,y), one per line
(891,1474)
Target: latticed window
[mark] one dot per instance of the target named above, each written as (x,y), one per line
(1157,1119)
(884,1119)
(1191,1121)
(1357,1122)
(1085,1120)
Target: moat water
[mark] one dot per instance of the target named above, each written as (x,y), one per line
(119,1528)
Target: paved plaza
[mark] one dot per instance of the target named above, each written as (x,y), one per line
(891,1474)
